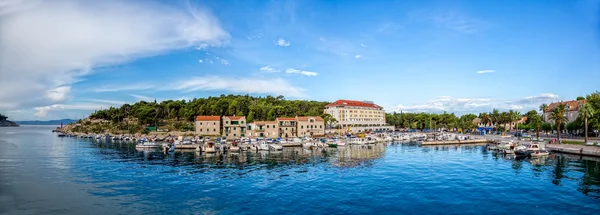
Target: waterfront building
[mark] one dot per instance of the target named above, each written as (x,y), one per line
(358,116)
(310,126)
(287,126)
(266,129)
(572,110)
(234,126)
(208,125)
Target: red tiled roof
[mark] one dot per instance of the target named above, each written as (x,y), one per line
(208,118)
(286,119)
(264,122)
(234,117)
(306,118)
(573,105)
(352,103)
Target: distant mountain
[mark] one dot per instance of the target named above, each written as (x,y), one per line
(48,122)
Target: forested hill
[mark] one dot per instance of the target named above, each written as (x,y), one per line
(254,108)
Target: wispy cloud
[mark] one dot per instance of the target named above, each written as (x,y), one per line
(301,72)
(357,56)
(200,61)
(485,71)
(363,45)
(142,98)
(269,69)
(104,101)
(124,87)
(453,20)
(282,42)
(478,105)
(108,33)
(240,85)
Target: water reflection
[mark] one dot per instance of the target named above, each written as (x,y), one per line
(559,167)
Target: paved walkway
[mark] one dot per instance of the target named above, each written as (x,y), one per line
(574,149)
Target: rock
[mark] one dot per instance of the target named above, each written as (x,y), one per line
(6,123)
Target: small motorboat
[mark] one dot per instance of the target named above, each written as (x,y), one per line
(234,147)
(275,147)
(144,144)
(209,148)
(263,146)
(61,135)
(539,153)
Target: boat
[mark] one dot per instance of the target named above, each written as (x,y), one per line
(275,147)
(61,135)
(234,147)
(145,144)
(536,151)
(263,146)
(209,147)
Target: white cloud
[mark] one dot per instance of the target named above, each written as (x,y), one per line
(79,36)
(363,45)
(123,87)
(104,101)
(224,62)
(322,39)
(269,69)
(453,20)
(240,85)
(43,111)
(357,56)
(478,105)
(485,71)
(200,61)
(282,42)
(59,94)
(301,72)
(142,98)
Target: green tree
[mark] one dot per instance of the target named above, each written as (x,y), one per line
(585,112)
(250,117)
(558,116)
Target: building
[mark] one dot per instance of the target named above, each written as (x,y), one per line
(234,126)
(266,129)
(208,125)
(358,116)
(310,126)
(287,127)
(572,110)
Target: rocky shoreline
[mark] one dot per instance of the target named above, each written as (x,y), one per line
(6,123)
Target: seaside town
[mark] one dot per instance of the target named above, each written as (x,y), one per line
(350,122)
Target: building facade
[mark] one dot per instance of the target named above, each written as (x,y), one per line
(234,126)
(208,125)
(310,126)
(572,110)
(358,116)
(287,127)
(265,129)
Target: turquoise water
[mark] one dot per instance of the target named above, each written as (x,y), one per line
(44,174)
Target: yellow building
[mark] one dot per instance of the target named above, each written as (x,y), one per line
(266,129)
(287,127)
(208,125)
(234,126)
(358,116)
(310,126)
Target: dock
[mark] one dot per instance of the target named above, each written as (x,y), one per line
(454,142)
(575,149)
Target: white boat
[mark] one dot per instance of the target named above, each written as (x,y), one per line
(234,147)
(263,146)
(275,147)
(209,148)
(144,144)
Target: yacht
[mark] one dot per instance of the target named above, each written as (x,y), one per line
(263,146)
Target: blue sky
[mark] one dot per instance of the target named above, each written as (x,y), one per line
(67,58)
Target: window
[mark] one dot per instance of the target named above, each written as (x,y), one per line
(320,126)
(234,128)
(214,123)
(214,129)
(227,122)
(234,135)
(302,126)
(242,122)
(200,123)
(200,130)
(267,126)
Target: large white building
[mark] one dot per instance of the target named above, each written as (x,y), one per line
(358,116)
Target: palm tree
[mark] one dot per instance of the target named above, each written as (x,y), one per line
(586,111)
(514,117)
(495,117)
(485,119)
(558,115)
(543,109)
